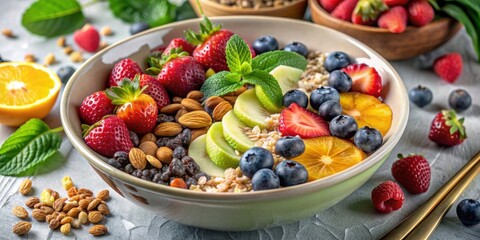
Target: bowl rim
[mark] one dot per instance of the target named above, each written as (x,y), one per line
(234,10)
(96,162)
(315,7)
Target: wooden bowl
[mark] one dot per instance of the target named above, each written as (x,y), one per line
(414,41)
(295,10)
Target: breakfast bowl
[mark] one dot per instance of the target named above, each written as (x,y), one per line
(295,9)
(392,46)
(234,211)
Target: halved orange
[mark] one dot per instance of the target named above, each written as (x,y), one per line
(328,155)
(27,90)
(367,111)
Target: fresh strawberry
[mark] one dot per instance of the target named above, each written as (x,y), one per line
(179,43)
(420,12)
(94,107)
(366,12)
(365,79)
(296,120)
(137,109)
(387,197)
(344,10)
(108,136)
(447,129)
(329,5)
(126,68)
(393,3)
(178,72)
(413,172)
(155,90)
(394,19)
(449,67)
(87,38)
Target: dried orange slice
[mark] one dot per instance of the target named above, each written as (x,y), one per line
(367,111)
(27,90)
(328,155)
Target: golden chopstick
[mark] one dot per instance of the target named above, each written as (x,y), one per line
(415,219)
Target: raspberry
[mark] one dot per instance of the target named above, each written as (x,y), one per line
(413,172)
(449,67)
(387,197)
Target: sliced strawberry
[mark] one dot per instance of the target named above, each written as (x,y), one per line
(365,79)
(296,120)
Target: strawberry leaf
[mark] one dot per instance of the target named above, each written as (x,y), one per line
(34,142)
(219,85)
(269,84)
(270,60)
(238,55)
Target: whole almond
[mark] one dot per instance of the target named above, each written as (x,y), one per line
(65,228)
(230,99)
(137,158)
(191,104)
(19,212)
(72,192)
(195,119)
(98,230)
(83,204)
(83,217)
(86,192)
(168,129)
(213,101)
(164,154)
(171,108)
(74,212)
(95,216)
(58,204)
(240,91)
(22,228)
(154,161)
(47,210)
(25,186)
(220,110)
(39,205)
(148,137)
(54,224)
(93,204)
(66,219)
(180,113)
(149,148)
(31,201)
(198,132)
(177,99)
(103,208)
(103,195)
(195,95)
(70,204)
(50,218)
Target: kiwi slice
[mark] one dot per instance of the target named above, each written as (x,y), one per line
(218,149)
(233,131)
(250,111)
(197,150)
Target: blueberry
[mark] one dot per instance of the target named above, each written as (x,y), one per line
(297,47)
(459,100)
(337,60)
(190,181)
(121,157)
(157,177)
(289,147)
(65,72)
(134,138)
(291,173)
(420,96)
(179,152)
(255,159)
(295,96)
(265,44)
(330,109)
(343,126)
(114,163)
(323,94)
(173,143)
(339,80)
(201,174)
(468,211)
(368,139)
(138,27)
(176,168)
(265,179)
(191,167)
(186,136)
(129,169)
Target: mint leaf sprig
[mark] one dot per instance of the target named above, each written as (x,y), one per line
(31,144)
(247,70)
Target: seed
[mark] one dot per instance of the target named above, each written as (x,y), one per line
(22,228)
(148,147)
(49,59)
(25,186)
(58,204)
(20,212)
(98,230)
(30,58)
(67,50)
(87,192)
(93,204)
(95,216)
(61,42)
(47,210)
(148,137)
(106,31)
(39,215)
(54,224)
(103,195)
(65,228)
(72,191)
(76,57)
(83,217)
(67,183)
(7,32)
(154,162)
(31,202)
(74,212)
(164,154)
(103,208)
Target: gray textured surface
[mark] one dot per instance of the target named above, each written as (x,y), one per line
(352,218)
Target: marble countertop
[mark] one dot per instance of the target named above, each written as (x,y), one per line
(352,218)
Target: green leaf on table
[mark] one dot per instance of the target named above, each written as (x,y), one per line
(270,60)
(269,84)
(153,12)
(34,142)
(52,18)
(219,84)
(238,55)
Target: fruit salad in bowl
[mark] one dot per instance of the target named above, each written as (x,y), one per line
(211,125)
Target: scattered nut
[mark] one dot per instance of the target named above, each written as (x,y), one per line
(39,205)
(54,194)
(83,217)
(49,59)
(103,195)
(72,191)
(47,210)
(25,186)
(39,215)
(67,50)
(168,129)
(86,192)
(76,57)
(195,119)
(61,41)
(22,228)
(31,202)
(95,216)
(103,208)
(171,108)
(195,95)
(58,204)
(54,224)
(29,58)
(148,137)
(191,105)
(74,212)
(7,32)
(149,148)
(98,230)
(137,158)
(164,154)
(65,228)
(106,31)
(93,204)
(46,197)
(66,219)
(83,204)
(154,161)
(220,110)
(102,45)
(67,183)
(20,212)
(213,101)
(70,204)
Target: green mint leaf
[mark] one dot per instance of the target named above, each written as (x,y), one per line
(268,83)
(234,77)
(237,54)
(32,143)
(50,18)
(245,69)
(219,85)
(270,60)
(153,12)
